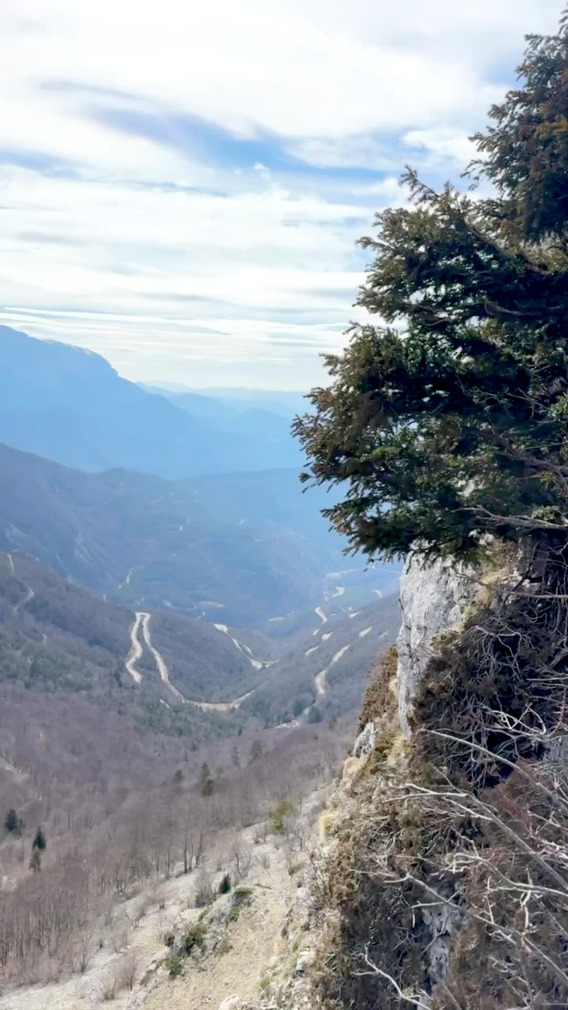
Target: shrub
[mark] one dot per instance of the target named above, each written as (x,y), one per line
(204,893)
(195,937)
(224,884)
(279,815)
(174,964)
(242,896)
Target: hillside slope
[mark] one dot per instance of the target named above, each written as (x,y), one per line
(58,638)
(170,673)
(239,549)
(322,673)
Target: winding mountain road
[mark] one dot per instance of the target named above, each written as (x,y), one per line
(26,599)
(158,658)
(258,664)
(142,625)
(136,650)
(29,594)
(320,680)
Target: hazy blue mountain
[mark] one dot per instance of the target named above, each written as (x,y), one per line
(237,549)
(70,405)
(258,421)
(277,401)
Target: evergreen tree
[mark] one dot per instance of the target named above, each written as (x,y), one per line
(12,822)
(224,884)
(39,843)
(206,780)
(256,750)
(449,420)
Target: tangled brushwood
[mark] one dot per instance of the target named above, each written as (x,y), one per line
(450,876)
(445,428)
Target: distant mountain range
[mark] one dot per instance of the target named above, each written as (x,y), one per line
(71,406)
(236,549)
(277,401)
(198,507)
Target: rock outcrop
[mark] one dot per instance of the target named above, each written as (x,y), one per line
(434,598)
(432,818)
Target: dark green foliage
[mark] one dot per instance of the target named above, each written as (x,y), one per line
(314,714)
(206,780)
(174,964)
(448,424)
(526,150)
(195,937)
(224,884)
(12,823)
(40,841)
(281,811)
(451,421)
(242,897)
(299,705)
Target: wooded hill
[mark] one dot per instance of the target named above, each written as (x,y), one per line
(237,549)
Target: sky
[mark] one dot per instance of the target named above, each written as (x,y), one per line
(182,184)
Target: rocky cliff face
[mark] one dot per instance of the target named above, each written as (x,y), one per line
(434,598)
(432,834)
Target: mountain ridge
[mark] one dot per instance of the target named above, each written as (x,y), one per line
(207,546)
(70,405)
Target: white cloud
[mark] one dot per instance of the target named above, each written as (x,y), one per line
(157,240)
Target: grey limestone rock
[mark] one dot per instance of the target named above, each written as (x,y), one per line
(365,742)
(433,598)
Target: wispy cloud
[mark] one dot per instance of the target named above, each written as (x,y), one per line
(181,185)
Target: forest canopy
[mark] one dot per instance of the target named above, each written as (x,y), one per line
(447,420)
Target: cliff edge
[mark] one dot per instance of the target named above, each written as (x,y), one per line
(441,876)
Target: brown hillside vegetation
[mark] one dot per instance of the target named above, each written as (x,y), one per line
(119,811)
